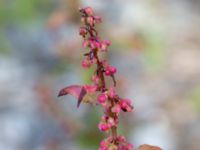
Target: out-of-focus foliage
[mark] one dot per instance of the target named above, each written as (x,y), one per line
(195,98)
(23,11)
(154,49)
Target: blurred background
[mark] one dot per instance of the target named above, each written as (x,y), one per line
(155,46)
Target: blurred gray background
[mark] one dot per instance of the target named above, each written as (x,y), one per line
(155,46)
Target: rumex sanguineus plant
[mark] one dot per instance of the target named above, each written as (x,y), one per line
(110,101)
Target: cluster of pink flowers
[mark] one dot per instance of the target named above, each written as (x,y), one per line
(107,98)
(107,144)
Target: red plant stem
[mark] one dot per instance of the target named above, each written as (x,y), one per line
(114,133)
(114,128)
(100,70)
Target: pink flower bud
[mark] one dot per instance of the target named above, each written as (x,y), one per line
(85,43)
(83,19)
(94,44)
(104,118)
(97,44)
(106,105)
(127,146)
(94,60)
(113,147)
(112,69)
(111,92)
(116,109)
(89,11)
(121,139)
(107,72)
(111,121)
(103,126)
(130,146)
(104,45)
(125,105)
(105,63)
(104,144)
(103,148)
(90,21)
(95,79)
(86,63)
(107,42)
(82,31)
(97,19)
(102,98)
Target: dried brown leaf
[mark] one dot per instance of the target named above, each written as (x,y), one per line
(148,147)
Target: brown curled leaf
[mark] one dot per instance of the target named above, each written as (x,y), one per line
(77,91)
(148,147)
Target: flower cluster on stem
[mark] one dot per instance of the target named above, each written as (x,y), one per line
(111,102)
